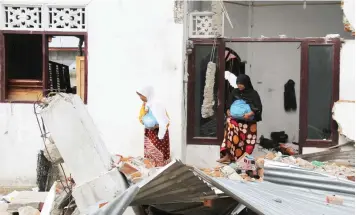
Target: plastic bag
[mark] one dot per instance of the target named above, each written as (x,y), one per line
(149,121)
(239,108)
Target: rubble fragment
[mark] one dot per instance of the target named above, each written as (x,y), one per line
(136,169)
(342,113)
(333,169)
(27,210)
(49,201)
(333,199)
(21,199)
(51,152)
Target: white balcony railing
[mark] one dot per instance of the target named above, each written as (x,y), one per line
(201,25)
(43,18)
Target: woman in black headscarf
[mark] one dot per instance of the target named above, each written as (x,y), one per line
(241,135)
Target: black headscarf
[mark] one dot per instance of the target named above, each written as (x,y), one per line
(249,95)
(244,80)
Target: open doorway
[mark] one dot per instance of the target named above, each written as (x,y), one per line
(272,67)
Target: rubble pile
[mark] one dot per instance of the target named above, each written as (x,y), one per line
(135,169)
(101,177)
(22,202)
(245,169)
(346,172)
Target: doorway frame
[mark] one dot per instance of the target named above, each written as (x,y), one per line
(303,103)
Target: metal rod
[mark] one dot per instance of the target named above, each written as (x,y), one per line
(226,13)
(283,4)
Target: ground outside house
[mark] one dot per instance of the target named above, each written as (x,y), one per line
(116,183)
(69,148)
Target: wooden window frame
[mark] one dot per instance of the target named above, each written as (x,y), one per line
(303,117)
(303,142)
(45,51)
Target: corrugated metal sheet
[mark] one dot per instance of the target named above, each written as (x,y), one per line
(180,189)
(222,206)
(176,188)
(289,175)
(341,154)
(120,203)
(272,199)
(175,182)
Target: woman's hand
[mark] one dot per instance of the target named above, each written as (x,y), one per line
(248,115)
(228,113)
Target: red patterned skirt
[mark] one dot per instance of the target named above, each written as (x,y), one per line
(239,137)
(157,150)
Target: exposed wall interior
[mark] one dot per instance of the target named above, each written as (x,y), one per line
(271,65)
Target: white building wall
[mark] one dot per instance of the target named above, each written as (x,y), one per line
(129,46)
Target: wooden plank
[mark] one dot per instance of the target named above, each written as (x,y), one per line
(80,76)
(24,94)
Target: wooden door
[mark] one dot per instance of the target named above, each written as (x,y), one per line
(80,76)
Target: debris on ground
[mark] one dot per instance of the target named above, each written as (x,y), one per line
(333,199)
(341,171)
(101,177)
(247,168)
(136,169)
(17,200)
(289,148)
(51,151)
(28,210)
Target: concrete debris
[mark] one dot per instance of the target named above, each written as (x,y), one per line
(76,137)
(247,168)
(3,206)
(49,202)
(11,196)
(27,210)
(333,199)
(332,36)
(343,114)
(104,182)
(101,189)
(51,152)
(333,169)
(342,155)
(136,169)
(21,199)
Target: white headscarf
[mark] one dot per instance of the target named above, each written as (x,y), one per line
(157,109)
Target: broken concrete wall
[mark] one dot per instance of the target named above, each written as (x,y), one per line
(344,115)
(76,137)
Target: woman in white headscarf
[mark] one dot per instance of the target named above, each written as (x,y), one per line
(156,144)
